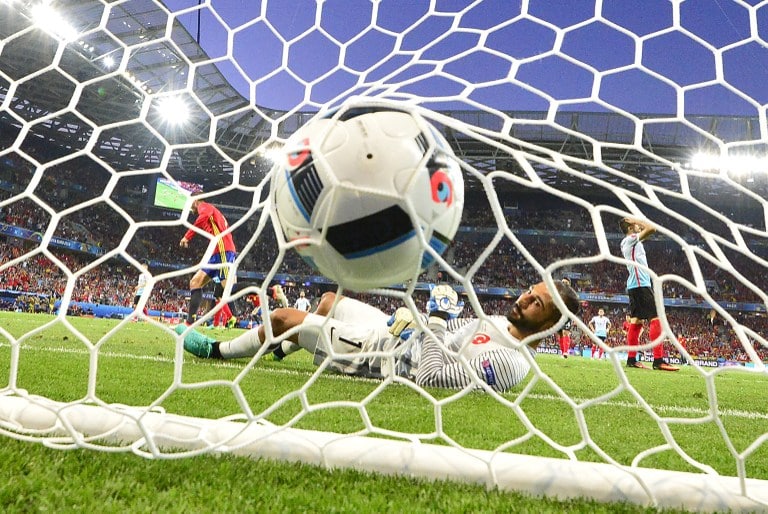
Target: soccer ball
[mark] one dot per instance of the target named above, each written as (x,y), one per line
(359,186)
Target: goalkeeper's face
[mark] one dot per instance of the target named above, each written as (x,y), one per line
(534,311)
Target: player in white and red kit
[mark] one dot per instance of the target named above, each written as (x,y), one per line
(212,221)
(302,302)
(358,334)
(141,284)
(642,304)
(600,325)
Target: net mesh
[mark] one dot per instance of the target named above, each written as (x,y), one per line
(566,120)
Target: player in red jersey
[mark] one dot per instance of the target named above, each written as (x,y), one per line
(564,334)
(223,317)
(212,221)
(625,326)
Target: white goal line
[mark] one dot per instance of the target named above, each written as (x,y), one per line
(670,409)
(151,432)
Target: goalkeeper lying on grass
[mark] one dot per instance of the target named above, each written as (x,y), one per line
(351,337)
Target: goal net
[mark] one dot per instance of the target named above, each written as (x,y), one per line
(566,116)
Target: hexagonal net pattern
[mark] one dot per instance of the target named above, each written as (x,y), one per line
(566,118)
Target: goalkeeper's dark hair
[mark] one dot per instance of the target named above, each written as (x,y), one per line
(569,296)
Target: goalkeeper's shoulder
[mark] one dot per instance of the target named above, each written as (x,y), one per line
(499,321)
(459,323)
(453,325)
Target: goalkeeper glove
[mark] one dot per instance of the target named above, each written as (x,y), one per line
(444,302)
(401,324)
(279,296)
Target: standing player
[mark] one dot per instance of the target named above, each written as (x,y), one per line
(355,328)
(212,221)
(140,285)
(223,317)
(684,344)
(52,303)
(600,325)
(642,305)
(625,327)
(564,334)
(255,302)
(224,314)
(302,303)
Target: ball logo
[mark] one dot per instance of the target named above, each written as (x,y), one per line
(298,157)
(303,180)
(442,187)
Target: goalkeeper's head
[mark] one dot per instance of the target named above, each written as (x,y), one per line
(535,310)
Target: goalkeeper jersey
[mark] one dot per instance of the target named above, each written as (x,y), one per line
(362,346)
(481,354)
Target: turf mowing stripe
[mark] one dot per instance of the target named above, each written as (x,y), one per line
(536,396)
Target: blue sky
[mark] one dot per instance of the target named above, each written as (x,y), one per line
(492,53)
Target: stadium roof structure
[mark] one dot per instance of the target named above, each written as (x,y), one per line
(115,96)
(128,65)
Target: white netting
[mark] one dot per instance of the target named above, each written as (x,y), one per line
(567,118)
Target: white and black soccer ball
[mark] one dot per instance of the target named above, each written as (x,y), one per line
(358,186)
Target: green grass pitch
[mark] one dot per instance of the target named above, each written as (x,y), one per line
(136,367)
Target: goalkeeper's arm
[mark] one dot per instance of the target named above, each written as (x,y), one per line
(499,367)
(436,368)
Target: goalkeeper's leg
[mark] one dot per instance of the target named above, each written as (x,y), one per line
(249,344)
(350,310)
(286,348)
(347,310)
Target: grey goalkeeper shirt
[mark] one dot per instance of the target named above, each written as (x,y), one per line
(480,343)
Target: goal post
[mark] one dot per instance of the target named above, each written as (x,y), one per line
(164,435)
(565,119)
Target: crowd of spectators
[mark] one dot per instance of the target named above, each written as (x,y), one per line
(550,236)
(702,333)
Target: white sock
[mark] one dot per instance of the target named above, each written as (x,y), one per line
(246,345)
(289,347)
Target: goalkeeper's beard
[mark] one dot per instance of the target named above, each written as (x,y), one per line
(518,320)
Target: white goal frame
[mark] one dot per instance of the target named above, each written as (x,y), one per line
(162,435)
(153,433)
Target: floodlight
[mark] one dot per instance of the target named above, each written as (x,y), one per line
(741,164)
(704,162)
(46,17)
(173,110)
(271,153)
